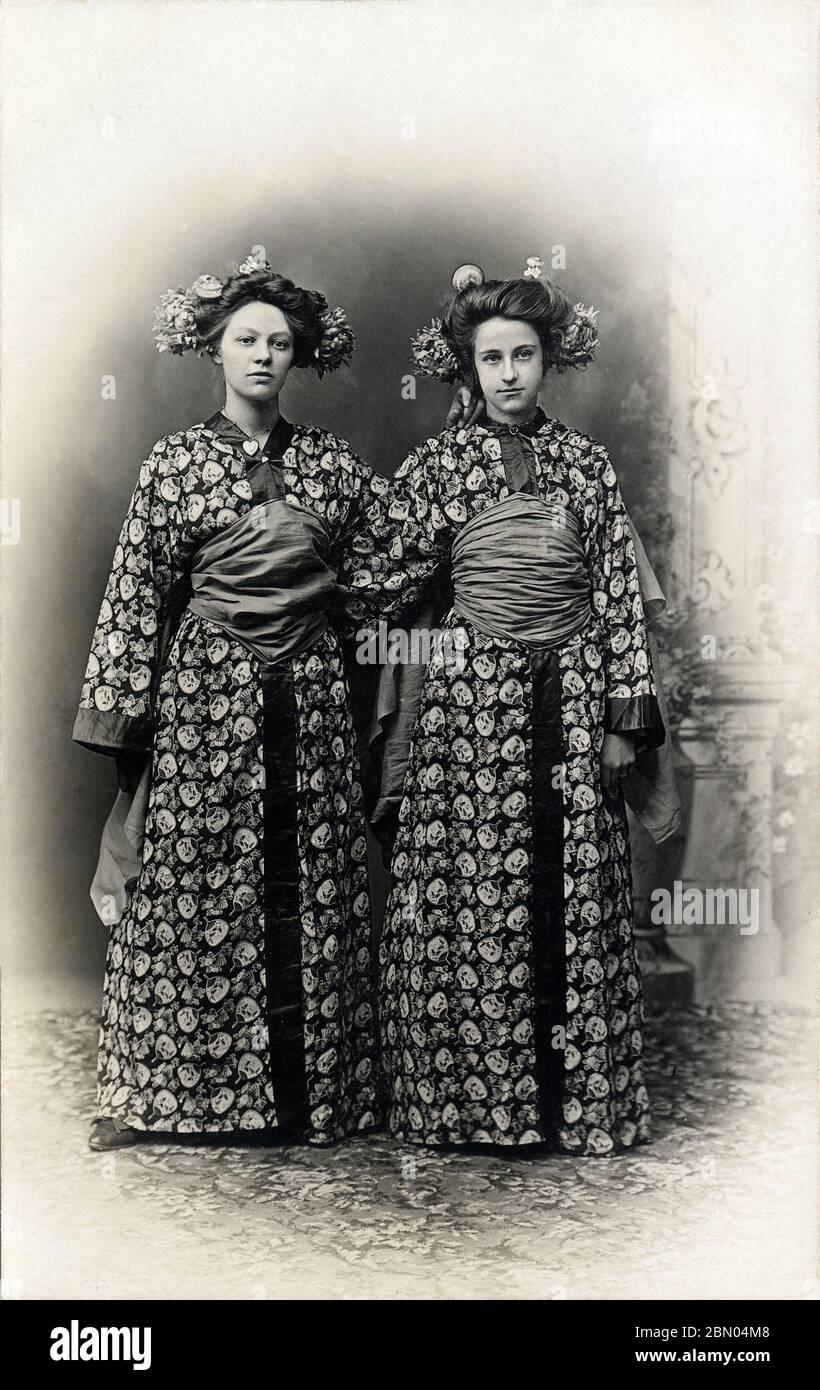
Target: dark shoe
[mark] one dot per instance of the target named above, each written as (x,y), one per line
(111,1134)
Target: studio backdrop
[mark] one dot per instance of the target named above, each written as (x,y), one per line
(370,170)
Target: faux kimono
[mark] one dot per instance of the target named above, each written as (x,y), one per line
(239,989)
(509,993)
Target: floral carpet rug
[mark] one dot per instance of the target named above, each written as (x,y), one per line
(719,1205)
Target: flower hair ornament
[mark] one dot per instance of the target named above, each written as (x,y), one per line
(175,328)
(433,355)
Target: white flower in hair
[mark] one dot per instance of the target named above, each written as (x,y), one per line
(580,338)
(433,355)
(337,342)
(255,260)
(535,268)
(175,323)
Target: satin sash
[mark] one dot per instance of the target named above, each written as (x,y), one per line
(651,790)
(518,572)
(266,581)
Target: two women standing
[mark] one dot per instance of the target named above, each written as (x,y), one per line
(239,990)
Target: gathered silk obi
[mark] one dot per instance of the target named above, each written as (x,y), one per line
(265,579)
(519,572)
(520,576)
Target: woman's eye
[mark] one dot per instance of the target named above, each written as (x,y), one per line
(525,352)
(244,340)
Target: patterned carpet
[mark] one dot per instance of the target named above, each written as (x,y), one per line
(718,1206)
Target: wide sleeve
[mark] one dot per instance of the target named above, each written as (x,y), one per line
(631,705)
(115,713)
(396,543)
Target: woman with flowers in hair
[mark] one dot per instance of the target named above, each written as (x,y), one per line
(238,994)
(510,998)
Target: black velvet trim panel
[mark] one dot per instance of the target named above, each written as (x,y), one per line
(130,767)
(548,923)
(283,926)
(639,715)
(362,686)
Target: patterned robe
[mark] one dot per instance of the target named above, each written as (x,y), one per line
(510,998)
(239,990)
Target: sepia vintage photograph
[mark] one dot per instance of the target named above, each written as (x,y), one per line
(409,690)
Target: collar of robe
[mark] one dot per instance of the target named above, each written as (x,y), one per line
(276,444)
(529,427)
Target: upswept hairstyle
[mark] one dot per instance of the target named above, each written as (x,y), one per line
(303,309)
(568,332)
(539,303)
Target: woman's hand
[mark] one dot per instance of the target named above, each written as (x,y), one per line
(465,409)
(617,760)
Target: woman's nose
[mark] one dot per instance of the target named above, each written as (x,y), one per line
(510,371)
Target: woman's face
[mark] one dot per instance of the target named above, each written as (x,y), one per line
(510,365)
(256,351)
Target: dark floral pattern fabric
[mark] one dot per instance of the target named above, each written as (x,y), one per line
(459,1005)
(185,1040)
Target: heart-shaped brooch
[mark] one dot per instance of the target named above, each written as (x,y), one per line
(251,446)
